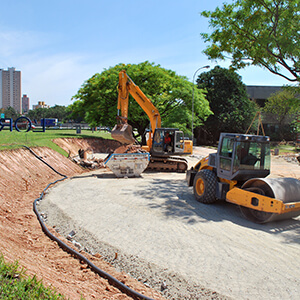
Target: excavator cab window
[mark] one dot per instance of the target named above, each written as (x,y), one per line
(158,141)
(179,142)
(168,141)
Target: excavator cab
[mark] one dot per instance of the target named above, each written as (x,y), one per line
(167,141)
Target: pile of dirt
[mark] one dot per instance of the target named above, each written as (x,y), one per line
(130,149)
(90,145)
(22,178)
(81,150)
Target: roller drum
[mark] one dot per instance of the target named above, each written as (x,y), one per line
(284,189)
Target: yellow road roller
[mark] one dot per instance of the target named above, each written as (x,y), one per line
(237,173)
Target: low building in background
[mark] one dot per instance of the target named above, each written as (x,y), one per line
(41,104)
(260,93)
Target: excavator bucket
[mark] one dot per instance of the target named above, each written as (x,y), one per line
(123,134)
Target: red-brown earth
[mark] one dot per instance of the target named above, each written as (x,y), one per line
(22,178)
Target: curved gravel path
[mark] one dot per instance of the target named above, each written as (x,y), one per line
(152,228)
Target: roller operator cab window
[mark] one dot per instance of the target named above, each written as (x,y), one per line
(226,153)
(252,155)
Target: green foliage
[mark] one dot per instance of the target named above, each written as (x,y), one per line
(58,112)
(284,147)
(10,112)
(264,33)
(14,284)
(284,108)
(282,104)
(228,100)
(96,100)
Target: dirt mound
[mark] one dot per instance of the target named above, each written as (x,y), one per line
(129,149)
(95,145)
(22,178)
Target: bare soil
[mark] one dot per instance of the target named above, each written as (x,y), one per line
(99,145)
(22,178)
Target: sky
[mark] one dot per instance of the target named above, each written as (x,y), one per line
(59,44)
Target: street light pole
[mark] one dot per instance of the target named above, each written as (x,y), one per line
(205,67)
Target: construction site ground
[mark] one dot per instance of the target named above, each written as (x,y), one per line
(148,232)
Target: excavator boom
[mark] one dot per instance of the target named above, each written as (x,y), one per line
(122,132)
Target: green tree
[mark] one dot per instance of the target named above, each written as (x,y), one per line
(96,100)
(10,112)
(284,108)
(58,112)
(232,110)
(263,33)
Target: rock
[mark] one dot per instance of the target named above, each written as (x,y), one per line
(71,235)
(76,244)
(163,286)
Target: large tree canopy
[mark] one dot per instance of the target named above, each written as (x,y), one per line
(171,94)
(264,33)
(228,100)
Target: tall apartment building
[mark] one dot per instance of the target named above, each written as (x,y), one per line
(10,89)
(25,104)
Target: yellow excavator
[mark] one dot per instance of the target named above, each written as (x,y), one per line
(163,144)
(236,173)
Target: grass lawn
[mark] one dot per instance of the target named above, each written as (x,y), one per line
(286,149)
(14,139)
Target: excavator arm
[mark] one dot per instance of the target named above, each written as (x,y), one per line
(122,131)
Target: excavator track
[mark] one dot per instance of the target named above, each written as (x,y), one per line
(168,164)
